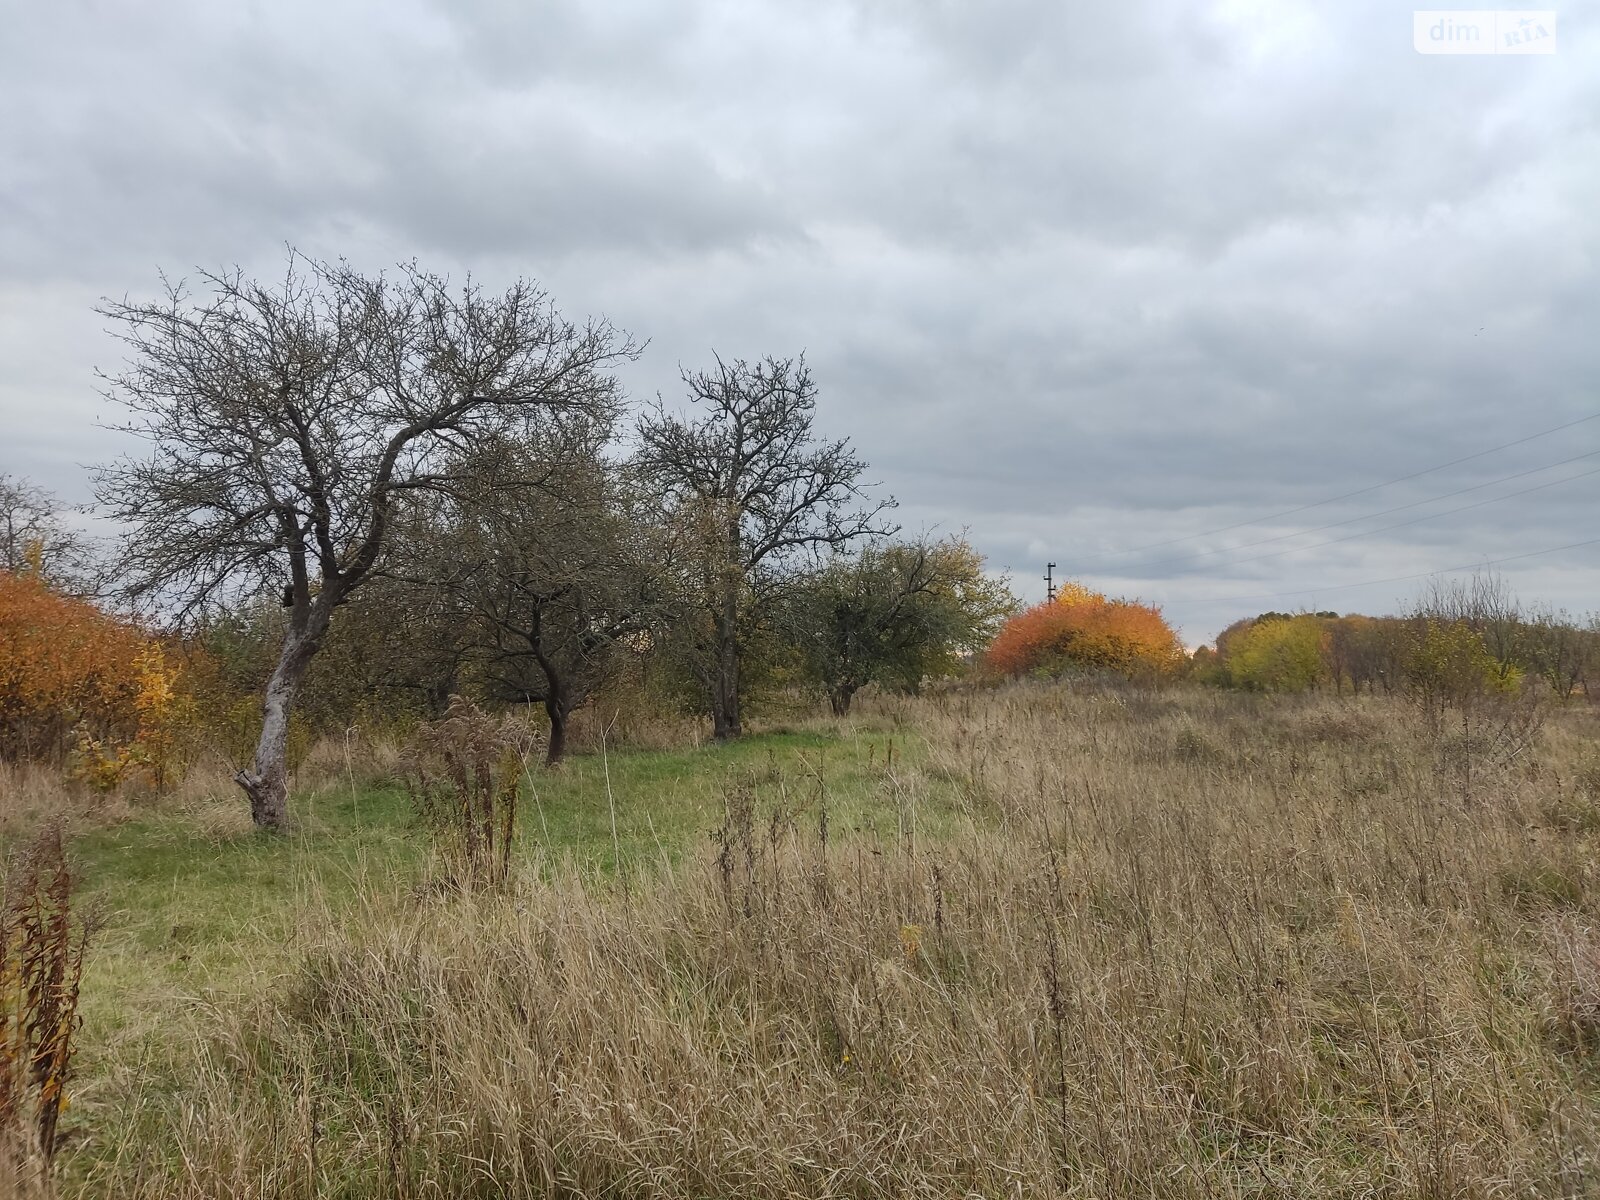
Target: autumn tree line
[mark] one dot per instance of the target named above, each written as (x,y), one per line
(1459,638)
(358,497)
(1474,628)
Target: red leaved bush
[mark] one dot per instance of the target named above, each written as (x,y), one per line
(1084,630)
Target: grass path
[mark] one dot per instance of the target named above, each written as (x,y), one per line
(200,910)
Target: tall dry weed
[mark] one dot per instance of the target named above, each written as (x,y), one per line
(1180,945)
(463,774)
(42,945)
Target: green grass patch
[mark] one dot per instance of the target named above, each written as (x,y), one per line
(666,803)
(200,909)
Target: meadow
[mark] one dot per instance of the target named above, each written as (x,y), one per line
(1040,940)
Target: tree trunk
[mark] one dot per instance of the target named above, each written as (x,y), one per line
(725,684)
(267,781)
(436,696)
(725,710)
(556,710)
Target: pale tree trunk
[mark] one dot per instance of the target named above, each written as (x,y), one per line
(267,780)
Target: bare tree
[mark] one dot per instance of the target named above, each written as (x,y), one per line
(1556,648)
(35,536)
(1485,604)
(289,422)
(567,583)
(558,582)
(752,486)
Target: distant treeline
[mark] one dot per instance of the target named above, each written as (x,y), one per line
(1475,628)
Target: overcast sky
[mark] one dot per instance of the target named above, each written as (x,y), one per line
(1079,279)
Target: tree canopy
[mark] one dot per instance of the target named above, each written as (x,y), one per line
(288,422)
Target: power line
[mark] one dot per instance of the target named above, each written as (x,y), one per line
(1289,512)
(1477,487)
(1342,587)
(1416,520)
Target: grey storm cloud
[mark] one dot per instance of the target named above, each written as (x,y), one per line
(1077,279)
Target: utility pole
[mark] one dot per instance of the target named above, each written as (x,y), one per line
(1049,582)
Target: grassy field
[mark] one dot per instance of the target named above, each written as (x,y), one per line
(201,913)
(1058,942)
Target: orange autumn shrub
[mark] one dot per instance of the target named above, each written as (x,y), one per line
(1083,630)
(74,678)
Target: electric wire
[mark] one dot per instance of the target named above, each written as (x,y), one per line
(1342,587)
(1239,562)
(1476,487)
(1289,512)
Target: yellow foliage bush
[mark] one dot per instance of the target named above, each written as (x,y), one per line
(81,683)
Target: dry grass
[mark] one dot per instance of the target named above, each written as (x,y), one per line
(1184,944)
(621,722)
(33,794)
